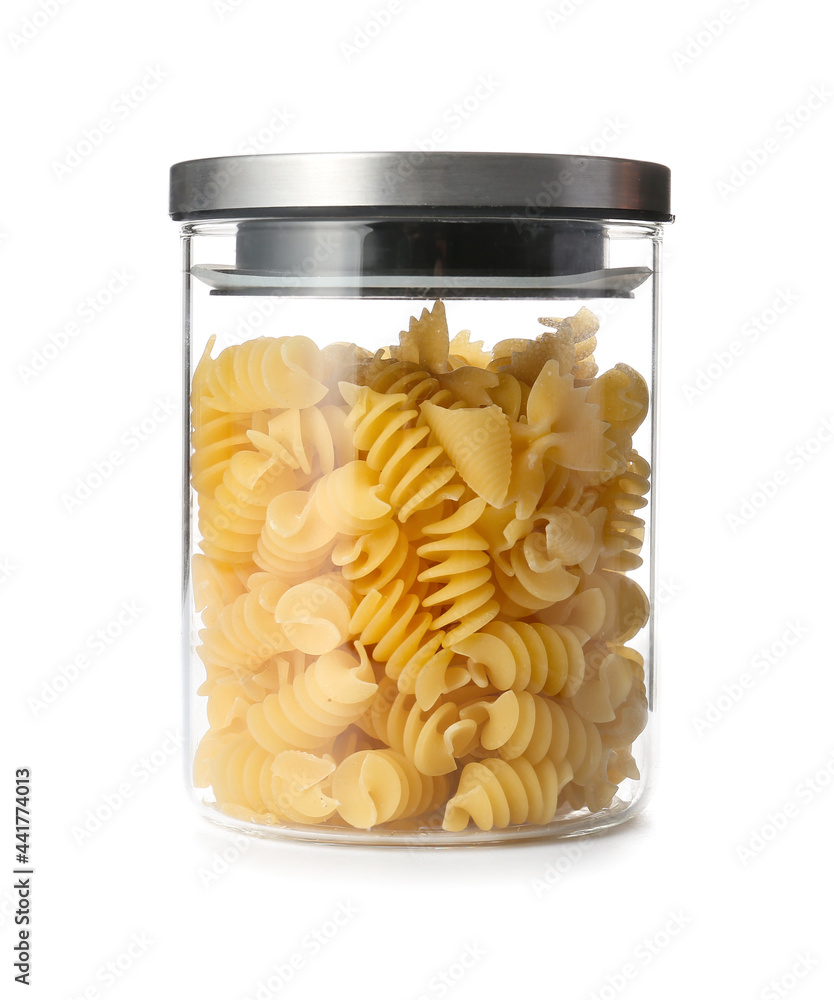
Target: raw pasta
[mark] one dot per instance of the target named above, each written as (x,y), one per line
(383,427)
(460,577)
(431,740)
(525,656)
(495,793)
(413,578)
(378,786)
(318,705)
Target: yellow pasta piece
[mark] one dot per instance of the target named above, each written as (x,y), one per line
(510,394)
(246,634)
(315,615)
(461,591)
(427,671)
(373,787)
(512,723)
(299,786)
(390,620)
(342,360)
(562,427)
(351,499)
(524,656)
(309,713)
(601,694)
(622,396)
(426,342)
(471,352)
(477,441)
(372,560)
(526,358)
(431,739)
(581,331)
(495,793)
(215,584)
(384,432)
(263,374)
(296,537)
(301,439)
(470,386)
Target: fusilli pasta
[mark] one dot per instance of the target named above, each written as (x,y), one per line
(331,694)
(384,432)
(460,579)
(431,740)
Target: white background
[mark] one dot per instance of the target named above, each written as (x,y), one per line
(705,87)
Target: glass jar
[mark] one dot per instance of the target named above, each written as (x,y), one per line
(418,496)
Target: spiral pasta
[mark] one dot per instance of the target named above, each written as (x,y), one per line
(309,713)
(415,578)
(414,382)
(257,786)
(246,633)
(431,740)
(315,615)
(373,787)
(390,619)
(426,670)
(495,793)
(460,579)
(232,520)
(215,438)
(372,560)
(623,530)
(239,773)
(601,694)
(511,723)
(215,584)
(264,374)
(302,440)
(578,743)
(384,431)
(295,538)
(525,656)
(351,499)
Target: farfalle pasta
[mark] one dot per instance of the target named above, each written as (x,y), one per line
(414,578)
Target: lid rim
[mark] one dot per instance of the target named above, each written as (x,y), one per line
(537,185)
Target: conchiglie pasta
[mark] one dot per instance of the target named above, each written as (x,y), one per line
(477,440)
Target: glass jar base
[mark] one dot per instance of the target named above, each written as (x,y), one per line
(575,823)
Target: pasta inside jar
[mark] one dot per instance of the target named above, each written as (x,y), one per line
(416,577)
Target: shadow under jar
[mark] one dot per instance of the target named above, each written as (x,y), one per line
(418,497)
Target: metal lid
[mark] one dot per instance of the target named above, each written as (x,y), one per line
(344,185)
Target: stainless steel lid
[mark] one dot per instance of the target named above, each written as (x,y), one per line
(356,185)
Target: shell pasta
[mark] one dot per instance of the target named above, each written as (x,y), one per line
(415,579)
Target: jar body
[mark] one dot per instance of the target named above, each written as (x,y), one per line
(418,580)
